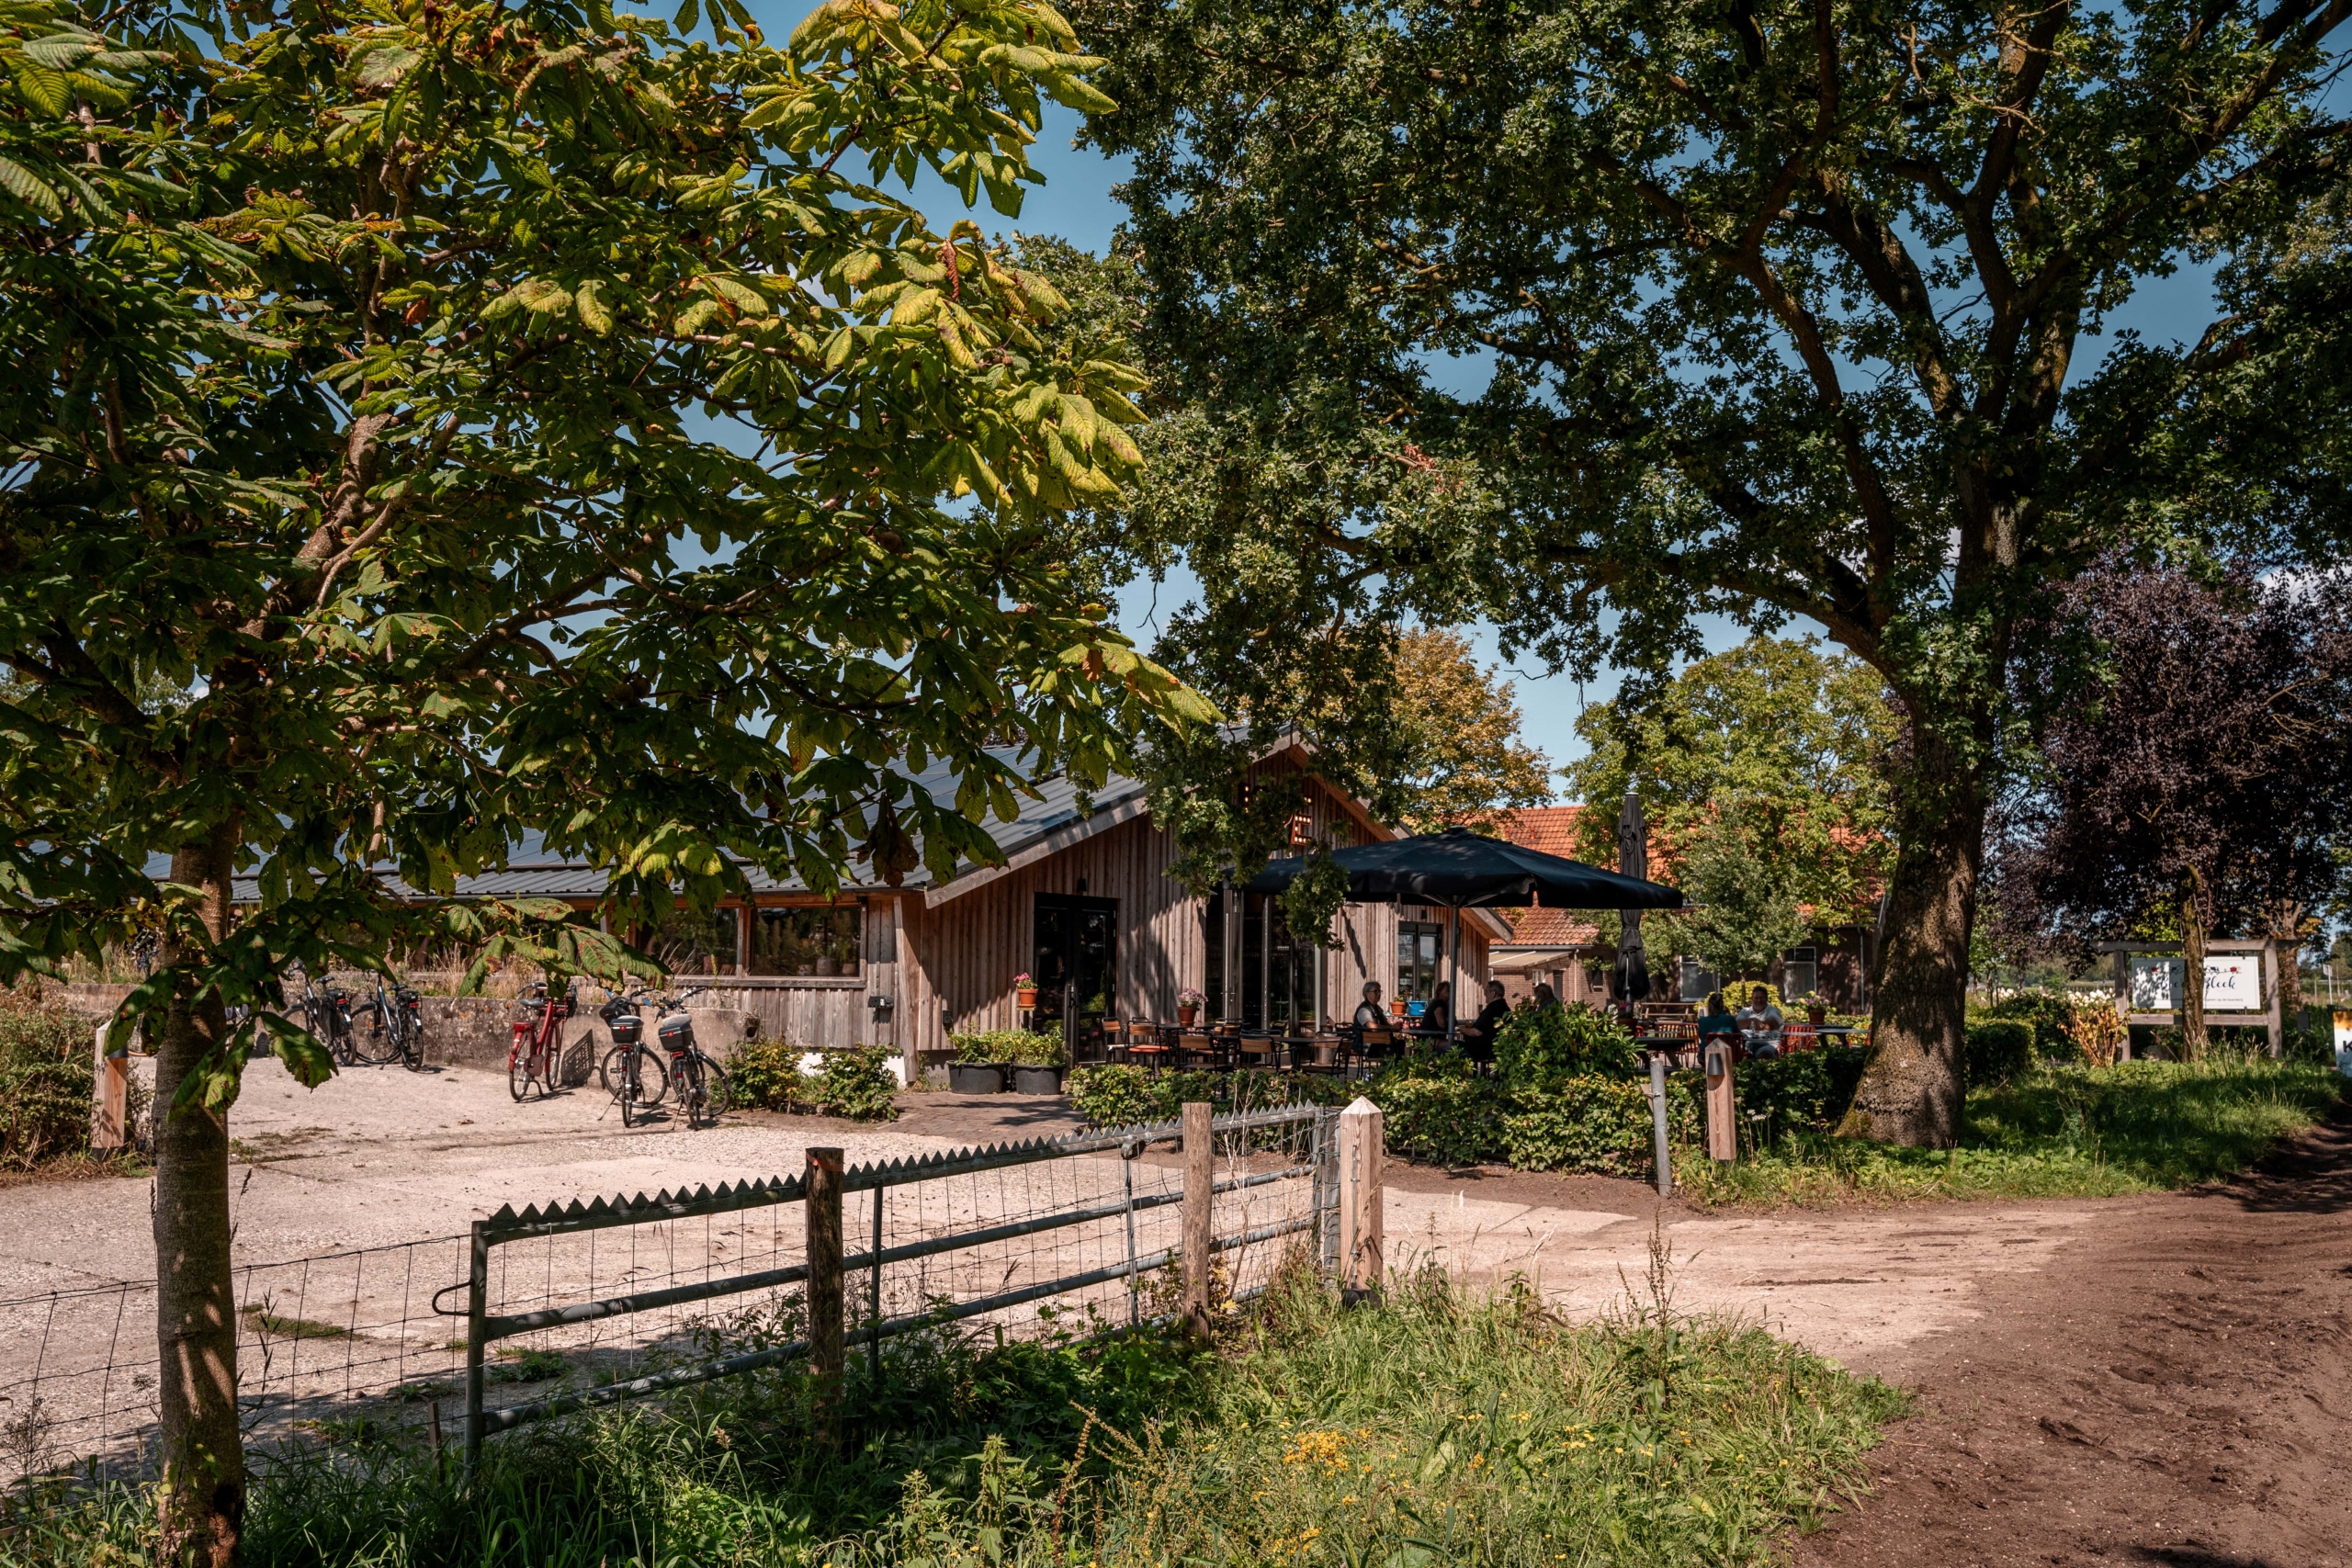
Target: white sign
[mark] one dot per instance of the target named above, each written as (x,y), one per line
(2233,983)
(2344,1043)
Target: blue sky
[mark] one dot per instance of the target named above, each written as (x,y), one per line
(1076,203)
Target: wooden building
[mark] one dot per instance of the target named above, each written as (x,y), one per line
(1083,903)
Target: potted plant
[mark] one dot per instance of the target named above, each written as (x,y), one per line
(1039,1063)
(1816,1011)
(1025,992)
(975,1069)
(1188,1006)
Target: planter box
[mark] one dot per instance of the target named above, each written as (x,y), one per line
(1037,1080)
(976,1077)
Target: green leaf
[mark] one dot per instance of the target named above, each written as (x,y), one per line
(689,16)
(22,184)
(589,299)
(47,88)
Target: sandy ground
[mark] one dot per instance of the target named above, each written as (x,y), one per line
(378,1155)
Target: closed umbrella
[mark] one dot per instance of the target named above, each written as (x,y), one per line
(1459,870)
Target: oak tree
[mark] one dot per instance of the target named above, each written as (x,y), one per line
(1774,309)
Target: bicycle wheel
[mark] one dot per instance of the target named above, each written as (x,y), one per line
(519,1056)
(380,1043)
(719,1090)
(412,1045)
(637,1085)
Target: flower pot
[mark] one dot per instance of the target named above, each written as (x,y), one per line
(1026,998)
(1027,1080)
(976,1077)
(1186,1014)
(1817,1015)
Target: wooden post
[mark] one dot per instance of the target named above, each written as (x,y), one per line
(1200,1223)
(1361,1226)
(821,1204)
(110,1097)
(1723,1128)
(1662,1151)
(476,1318)
(2274,983)
(2123,1001)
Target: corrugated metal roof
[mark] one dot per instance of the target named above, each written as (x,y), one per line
(531,873)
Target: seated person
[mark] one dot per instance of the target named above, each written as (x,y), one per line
(1547,998)
(1439,1009)
(1761,1024)
(1477,1038)
(1717,1020)
(1370,1015)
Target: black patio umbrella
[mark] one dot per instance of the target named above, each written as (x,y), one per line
(1460,870)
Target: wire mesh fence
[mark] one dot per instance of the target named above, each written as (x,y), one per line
(320,1339)
(581,1305)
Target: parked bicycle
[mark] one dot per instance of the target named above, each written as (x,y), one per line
(535,1054)
(326,1013)
(639,1076)
(395,1027)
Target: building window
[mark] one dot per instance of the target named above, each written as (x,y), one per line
(689,944)
(819,940)
(1213,954)
(1799,972)
(1420,944)
(1698,981)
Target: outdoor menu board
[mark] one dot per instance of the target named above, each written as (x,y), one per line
(2233,983)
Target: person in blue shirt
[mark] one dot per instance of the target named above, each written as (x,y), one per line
(1717,1019)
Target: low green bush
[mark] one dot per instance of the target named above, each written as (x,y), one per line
(766,1075)
(1805,1091)
(1596,1124)
(1449,1119)
(856,1085)
(996,1047)
(1997,1052)
(45,1083)
(1538,1045)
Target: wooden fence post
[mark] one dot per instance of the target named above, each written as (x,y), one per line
(110,1098)
(1361,1224)
(1722,1126)
(1200,1223)
(1662,1148)
(821,1204)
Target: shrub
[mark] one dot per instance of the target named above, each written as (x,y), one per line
(1593,1124)
(857,1083)
(1541,1045)
(45,1083)
(992,1047)
(1442,1119)
(766,1074)
(1997,1052)
(1807,1091)
(1113,1096)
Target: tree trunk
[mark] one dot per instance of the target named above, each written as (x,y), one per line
(202,1498)
(2287,930)
(2193,1038)
(1912,1088)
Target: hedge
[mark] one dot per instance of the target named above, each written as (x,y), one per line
(856,1085)
(45,1083)
(1132,1096)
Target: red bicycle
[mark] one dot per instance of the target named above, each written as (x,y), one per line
(538,1045)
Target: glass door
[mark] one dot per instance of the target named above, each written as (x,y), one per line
(1075,963)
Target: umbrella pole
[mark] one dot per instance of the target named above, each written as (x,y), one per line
(1452,973)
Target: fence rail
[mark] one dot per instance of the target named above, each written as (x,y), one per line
(1004,1250)
(574,1306)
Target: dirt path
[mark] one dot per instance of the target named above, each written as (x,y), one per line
(2173,1387)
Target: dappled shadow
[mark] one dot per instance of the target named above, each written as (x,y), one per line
(2198,1557)
(2309,1174)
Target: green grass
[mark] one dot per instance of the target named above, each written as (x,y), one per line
(1434,1428)
(2060,1132)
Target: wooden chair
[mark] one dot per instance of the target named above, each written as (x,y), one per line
(1148,1045)
(1256,1051)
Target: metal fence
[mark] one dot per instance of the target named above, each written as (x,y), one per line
(564,1307)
